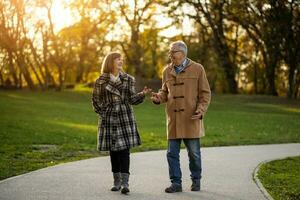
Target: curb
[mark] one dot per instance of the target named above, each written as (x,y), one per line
(257,181)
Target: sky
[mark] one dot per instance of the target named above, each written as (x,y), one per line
(63,17)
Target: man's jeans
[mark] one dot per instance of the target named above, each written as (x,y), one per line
(193,148)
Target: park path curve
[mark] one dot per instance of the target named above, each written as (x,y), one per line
(227,174)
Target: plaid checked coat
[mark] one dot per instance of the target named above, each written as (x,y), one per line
(117,129)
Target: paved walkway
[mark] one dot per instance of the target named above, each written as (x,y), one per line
(227,174)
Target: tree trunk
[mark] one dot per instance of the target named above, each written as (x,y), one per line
(292,73)
(12,69)
(38,63)
(22,66)
(297,84)
(227,65)
(255,78)
(136,53)
(60,74)
(271,88)
(21,81)
(1,76)
(36,74)
(49,78)
(80,66)
(80,69)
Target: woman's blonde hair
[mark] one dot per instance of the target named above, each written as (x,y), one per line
(108,62)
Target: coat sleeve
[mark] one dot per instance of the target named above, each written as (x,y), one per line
(163,92)
(135,98)
(97,99)
(204,93)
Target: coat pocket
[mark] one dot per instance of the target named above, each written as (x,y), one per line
(103,111)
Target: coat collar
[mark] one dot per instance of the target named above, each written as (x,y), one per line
(172,68)
(114,87)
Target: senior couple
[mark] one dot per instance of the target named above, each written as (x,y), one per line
(186,92)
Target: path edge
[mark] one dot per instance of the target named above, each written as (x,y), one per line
(258,182)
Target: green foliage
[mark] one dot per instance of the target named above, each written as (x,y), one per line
(282,178)
(245,46)
(155,55)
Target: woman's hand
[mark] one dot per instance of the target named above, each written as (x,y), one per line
(146,90)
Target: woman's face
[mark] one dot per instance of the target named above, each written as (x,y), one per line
(118,64)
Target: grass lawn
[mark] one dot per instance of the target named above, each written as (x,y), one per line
(282,178)
(39,129)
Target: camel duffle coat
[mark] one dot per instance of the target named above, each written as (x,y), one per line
(184,94)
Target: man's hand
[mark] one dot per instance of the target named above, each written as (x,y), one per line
(155,97)
(197,115)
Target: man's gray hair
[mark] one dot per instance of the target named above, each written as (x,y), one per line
(180,45)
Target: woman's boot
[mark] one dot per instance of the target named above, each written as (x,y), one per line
(125,185)
(117,182)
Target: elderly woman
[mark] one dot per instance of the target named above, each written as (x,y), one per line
(113,95)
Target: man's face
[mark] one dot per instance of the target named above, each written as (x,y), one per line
(176,56)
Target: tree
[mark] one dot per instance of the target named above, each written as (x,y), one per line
(137,15)
(290,32)
(260,20)
(211,14)
(14,40)
(96,20)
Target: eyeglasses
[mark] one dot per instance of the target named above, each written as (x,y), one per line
(173,52)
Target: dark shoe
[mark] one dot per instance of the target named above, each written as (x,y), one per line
(173,188)
(196,185)
(115,188)
(124,183)
(125,190)
(117,182)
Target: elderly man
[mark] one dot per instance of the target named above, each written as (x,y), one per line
(186,91)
